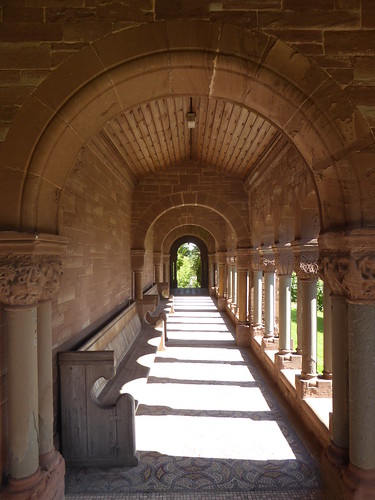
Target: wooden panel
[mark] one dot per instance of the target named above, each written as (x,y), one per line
(154,135)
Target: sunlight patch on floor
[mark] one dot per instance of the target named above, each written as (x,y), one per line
(202,372)
(212,437)
(205,397)
(202,354)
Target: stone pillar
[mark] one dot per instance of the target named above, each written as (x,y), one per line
(339,450)
(221,271)
(327,332)
(22,391)
(138,258)
(158,267)
(211,274)
(166,258)
(347,259)
(268,264)
(284,267)
(299,319)
(306,267)
(256,325)
(243,261)
(31,273)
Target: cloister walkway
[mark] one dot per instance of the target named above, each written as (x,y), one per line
(208,424)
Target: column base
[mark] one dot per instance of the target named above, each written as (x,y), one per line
(221,304)
(27,488)
(270,343)
(289,361)
(336,455)
(53,466)
(243,335)
(360,482)
(331,470)
(314,387)
(256,329)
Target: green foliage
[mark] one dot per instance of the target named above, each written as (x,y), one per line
(319,292)
(189,266)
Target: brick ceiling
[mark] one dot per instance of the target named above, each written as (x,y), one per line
(154,135)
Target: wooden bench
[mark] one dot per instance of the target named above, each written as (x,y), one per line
(97,411)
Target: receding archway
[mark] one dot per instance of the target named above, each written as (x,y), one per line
(203,254)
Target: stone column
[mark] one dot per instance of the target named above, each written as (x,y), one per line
(221,271)
(27,273)
(306,267)
(243,261)
(137,258)
(22,390)
(284,267)
(327,332)
(348,260)
(255,264)
(166,268)
(211,274)
(268,264)
(158,266)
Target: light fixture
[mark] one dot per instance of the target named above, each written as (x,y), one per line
(191,119)
(190,115)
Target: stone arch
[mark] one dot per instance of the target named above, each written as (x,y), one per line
(189,230)
(266,75)
(173,258)
(198,219)
(182,199)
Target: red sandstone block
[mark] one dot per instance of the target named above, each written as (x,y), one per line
(348,4)
(309,19)
(85,31)
(303,5)
(20,55)
(298,35)
(69,15)
(52,3)
(130,11)
(350,42)
(165,9)
(29,32)
(368,14)
(12,13)
(9,77)
(243,5)
(309,48)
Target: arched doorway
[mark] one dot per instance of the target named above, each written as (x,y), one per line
(173,259)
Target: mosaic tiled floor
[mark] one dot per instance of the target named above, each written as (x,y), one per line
(208,426)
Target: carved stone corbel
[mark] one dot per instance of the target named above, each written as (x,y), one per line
(255,260)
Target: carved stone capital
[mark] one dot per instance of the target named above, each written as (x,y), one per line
(268,261)
(347,261)
(284,259)
(221,258)
(137,258)
(30,267)
(157,257)
(306,259)
(243,258)
(27,279)
(255,260)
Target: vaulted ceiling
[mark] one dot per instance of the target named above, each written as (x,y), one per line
(154,135)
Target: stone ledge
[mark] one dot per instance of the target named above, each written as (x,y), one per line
(314,388)
(288,361)
(271,343)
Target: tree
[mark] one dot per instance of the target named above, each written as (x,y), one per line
(189,266)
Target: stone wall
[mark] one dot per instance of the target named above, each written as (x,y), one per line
(186,178)
(3,397)
(38,36)
(95,214)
